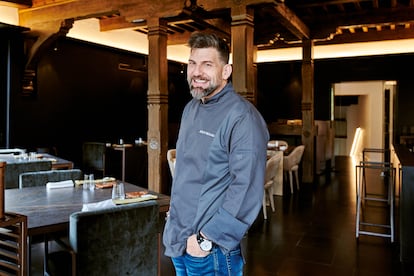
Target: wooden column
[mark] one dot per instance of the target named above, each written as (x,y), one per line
(308,128)
(157,135)
(244,52)
(2,177)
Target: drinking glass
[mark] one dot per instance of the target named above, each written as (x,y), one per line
(86,181)
(91,182)
(118,191)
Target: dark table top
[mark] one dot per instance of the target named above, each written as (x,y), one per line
(57,162)
(48,210)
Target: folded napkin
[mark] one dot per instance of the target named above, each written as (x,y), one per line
(59,184)
(98,205)
(105,179)
(135,199)
(105,185)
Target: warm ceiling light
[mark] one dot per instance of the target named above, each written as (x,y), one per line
(365,29)
(407,25)
(392,27)
(352,30)
(379,28)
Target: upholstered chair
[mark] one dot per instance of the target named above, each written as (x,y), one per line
(121,240)
(41,178)
(13,170)
(93,158)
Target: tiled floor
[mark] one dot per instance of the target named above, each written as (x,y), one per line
(312,232)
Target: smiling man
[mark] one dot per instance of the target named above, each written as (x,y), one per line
(218,181)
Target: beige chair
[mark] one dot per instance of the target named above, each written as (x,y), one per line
(171,160)
(271,170)
(291,165)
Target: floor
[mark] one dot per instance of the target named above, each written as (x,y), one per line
(312,232)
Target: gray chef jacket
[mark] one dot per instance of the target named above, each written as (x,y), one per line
(219,172)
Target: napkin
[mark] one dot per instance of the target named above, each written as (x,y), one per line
(135,199)
(105,185)
(105,179)
(59,184)
(98,205)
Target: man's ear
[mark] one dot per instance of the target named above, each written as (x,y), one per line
(227,70)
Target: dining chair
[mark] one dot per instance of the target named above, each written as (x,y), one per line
(171,160)
(291,165)
(13,236)
(272,166)
(120,240)
(41,178)
(15,168)
(93,158)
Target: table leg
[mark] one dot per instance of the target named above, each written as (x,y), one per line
(123,164)
(29,255)
(45,256)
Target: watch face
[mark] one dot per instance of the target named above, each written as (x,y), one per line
(206,245)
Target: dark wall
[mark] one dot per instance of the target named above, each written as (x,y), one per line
(82,95)
(11,64)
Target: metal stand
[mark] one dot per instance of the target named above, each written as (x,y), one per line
(381,173)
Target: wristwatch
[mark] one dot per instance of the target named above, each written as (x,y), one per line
(205,245)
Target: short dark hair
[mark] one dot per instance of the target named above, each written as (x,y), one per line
(208,40)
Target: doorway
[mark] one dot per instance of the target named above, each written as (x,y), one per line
(359,104)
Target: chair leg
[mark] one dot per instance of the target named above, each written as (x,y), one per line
(272,201)
(297,179)
(291,181)
(264,206)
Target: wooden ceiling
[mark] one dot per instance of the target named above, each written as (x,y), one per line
(277,23)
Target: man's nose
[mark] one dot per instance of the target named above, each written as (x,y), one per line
(196,70)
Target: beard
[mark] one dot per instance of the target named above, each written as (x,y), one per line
(199,92)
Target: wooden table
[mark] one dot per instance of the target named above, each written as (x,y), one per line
(57,162)
(48,210)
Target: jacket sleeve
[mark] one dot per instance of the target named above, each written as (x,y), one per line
(244,195)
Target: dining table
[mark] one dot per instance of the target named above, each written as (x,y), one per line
(58,163)
(48,210)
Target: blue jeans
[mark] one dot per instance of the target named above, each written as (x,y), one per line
(215,264)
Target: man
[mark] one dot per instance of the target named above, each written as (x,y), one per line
(218,181)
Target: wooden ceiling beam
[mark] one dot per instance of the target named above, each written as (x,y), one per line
(292,22)
(211,5)
(116,23)
(17,3)
(323,28)
(78,9)
(383,35)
